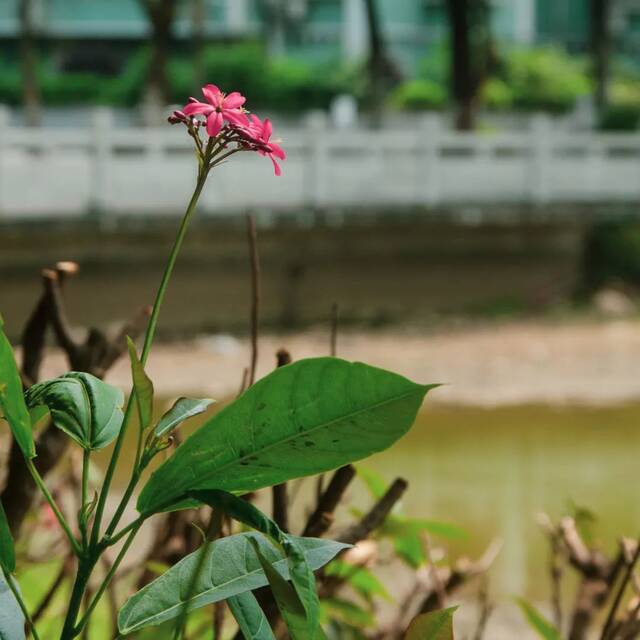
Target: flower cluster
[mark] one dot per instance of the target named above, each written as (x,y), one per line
(230,127)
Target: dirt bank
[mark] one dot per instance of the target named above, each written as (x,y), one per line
(582,361)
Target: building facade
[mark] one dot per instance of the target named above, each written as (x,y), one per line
(328,29)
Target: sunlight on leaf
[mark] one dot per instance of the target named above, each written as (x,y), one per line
(436,625)
(538,622)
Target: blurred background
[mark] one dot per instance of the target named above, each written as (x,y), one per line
(461,189)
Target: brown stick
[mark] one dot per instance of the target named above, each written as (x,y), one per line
(620,593)
(322,518)
(279,491)
(377,515)
(255,295)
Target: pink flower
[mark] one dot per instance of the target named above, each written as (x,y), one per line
(217,109)
(259,133)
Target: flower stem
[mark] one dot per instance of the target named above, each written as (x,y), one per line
(148,341)
(21,603)
(52,503)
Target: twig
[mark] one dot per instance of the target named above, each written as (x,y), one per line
(377,515)
(255,295)
(279,491)
(439,586)
(53,589)
(322,518)
(620,593)
(112,600)
(486,609)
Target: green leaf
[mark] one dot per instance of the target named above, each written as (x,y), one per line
(250,617)
(436,625)
(538,622)
(361,579)
(142,386)
(376,484)
(301,574)
(231,568)
(305,418)
(7,551)
(11,617)
(81,405)
(290,606)
(183,409)
(12,400)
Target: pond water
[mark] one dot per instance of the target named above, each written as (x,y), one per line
(491,471)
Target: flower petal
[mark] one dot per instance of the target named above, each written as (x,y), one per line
(212,94)
(233,100)
(214,124)
(277,151)
(267,130)
(193,108)
(235,116)
(276,166)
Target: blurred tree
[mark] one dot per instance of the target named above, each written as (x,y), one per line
(383,72)
(472,55)
(198,18)
(600,50)
(29,64)
(161,14)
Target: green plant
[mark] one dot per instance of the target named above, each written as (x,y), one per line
(419,95)
(304,418)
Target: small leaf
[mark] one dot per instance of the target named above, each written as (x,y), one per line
(81,405)
(301,574)
(376,484)
(231,568)
(436,625)
(250,617)
(142,386)
(7,551)
(12,400)
(183,409)
(538,622)
(11,617)
(360,579)
(308,417)
(289,604)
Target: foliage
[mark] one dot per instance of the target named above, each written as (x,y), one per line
(231,569)
(623,110)
(538,622)
(436,625)
(545,78)
(419,95)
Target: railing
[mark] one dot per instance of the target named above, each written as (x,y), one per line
(110,170)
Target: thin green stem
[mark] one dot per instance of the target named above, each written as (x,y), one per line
(82,520)
(85,567)
(52,503)
(21,603)
(109,542)
(148,341)
(107,579)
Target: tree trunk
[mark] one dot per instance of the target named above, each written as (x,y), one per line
(160,14)
(29,65)
(600,50)
(382,71)
(471,56)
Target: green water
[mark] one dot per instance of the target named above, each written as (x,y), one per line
(492,470)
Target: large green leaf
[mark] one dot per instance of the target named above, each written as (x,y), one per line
(183,409)
(11,617)
(250,617)
(142,386)
(7,551)
(291,607)
(84,407)
(307,417)
(301,574)
(538,622)
(12,403)
(436,625)
(230,568)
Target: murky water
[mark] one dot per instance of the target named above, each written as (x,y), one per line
(491,471)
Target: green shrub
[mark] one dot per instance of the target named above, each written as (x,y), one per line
(545,79)
(419,95)
(623,113)
(497,94)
